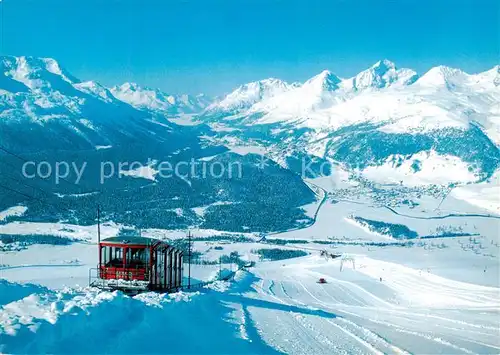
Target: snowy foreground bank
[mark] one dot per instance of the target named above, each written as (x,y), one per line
(86,320)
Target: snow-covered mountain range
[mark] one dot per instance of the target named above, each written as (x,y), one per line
(383,116)
(40,85)
(40,97)
(442,97)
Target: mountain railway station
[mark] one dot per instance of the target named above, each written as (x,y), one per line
(136,264)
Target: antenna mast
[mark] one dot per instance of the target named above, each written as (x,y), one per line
(99,233)
(189,260)
(98,224)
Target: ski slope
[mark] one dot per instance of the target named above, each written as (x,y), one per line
(356,313)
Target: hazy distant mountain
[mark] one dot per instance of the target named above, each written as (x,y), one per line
(157,100)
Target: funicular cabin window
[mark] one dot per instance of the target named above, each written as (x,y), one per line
(112,256)
(136,258)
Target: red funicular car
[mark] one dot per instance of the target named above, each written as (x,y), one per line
(135,264)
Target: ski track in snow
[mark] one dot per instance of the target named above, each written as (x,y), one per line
(376,337)
(395,326)
(350,333)
(316,339)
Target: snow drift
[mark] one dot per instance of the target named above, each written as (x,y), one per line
(89,321)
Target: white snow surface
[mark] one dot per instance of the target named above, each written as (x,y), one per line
(485,194)
(13,211)
(91,87)
(83,319)
(279,306)
(432,169)
(383,97)
(147,172)
(72,231)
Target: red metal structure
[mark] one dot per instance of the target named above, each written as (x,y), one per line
(135,264)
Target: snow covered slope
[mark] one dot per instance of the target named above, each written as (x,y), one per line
(443,97)
(322,91)
(39,101)
(375,304)
(417,237)
(314,94)
(34,73)
(249,94)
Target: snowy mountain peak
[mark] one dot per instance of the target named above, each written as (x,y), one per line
(384,64)
(324,81)
(52,66)
(248,94)
(35,73)
(495,75)
(443,76)
(382,74)
(443,71)
(95,89)
(127,86)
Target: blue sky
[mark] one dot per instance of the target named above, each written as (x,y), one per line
(213,46)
